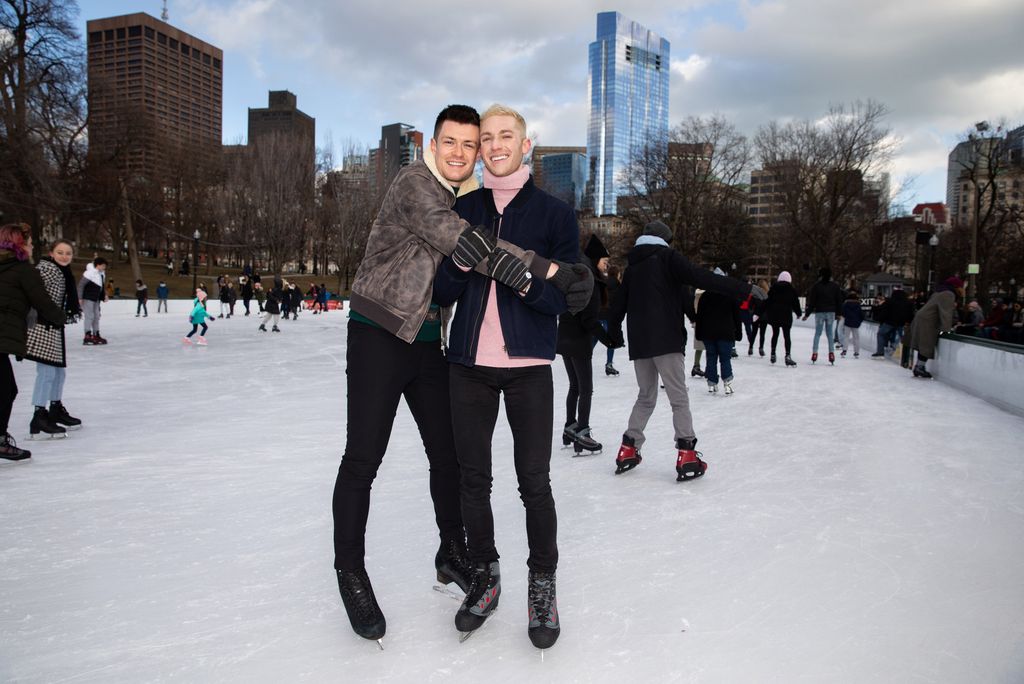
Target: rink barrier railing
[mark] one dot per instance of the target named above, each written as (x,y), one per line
(987,369)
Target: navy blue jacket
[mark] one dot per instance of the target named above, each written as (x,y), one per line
(853,315)
(533,220)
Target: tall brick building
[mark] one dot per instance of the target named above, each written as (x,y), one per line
(155,95)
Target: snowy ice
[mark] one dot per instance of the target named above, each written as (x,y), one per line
(854,525)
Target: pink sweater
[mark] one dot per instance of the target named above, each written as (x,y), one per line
(490,351)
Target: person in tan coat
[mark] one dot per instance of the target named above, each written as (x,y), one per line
(937,316)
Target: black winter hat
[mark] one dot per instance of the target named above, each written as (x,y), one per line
(659,230)
(595,249)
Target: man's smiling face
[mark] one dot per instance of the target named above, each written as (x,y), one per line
(502,144)
(455,150)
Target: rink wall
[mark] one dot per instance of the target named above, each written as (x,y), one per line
(993,371)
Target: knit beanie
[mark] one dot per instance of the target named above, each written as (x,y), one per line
(658,230)
(595,249)
(785,277)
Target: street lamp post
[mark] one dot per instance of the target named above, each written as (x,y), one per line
(195,259)
(933,242)
(982,127)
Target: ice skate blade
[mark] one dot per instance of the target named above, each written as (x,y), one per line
(44,436)
(625,467)
(578,454)
(444,590)
(380,643)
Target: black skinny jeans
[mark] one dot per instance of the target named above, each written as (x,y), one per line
(785,327)
(380,370)
(529,397)
(581,390)
(8,391)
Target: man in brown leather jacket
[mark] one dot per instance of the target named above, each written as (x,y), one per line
(395,348)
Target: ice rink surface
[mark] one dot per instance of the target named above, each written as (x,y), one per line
(855,525)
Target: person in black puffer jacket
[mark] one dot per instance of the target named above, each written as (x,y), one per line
(575,335)
(783,303)
(853,316)
(825,301)
(21,289)
(719,326)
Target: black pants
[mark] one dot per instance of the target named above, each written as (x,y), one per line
(581,390)
(8,391)
(760,326)
(380,370)
(195,327)
(529,397)
(785,334)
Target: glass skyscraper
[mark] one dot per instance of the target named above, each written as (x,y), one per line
(629,70)
(565,175)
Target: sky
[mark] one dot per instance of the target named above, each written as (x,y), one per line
(939,66)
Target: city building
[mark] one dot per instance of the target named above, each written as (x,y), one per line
(565,177)
(933,215)
(767,204)
(629,81)
(400,145)
(155,96)
(294,132)
(537,155)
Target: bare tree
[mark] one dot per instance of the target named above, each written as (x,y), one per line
(991,183)
(693,184)
(825,171)
(40,104)
(348,207)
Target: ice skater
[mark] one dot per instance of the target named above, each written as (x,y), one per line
(824,300)
(45,344)
(651,294)
(198,318)
(272,306)
(782,304)
(719,326)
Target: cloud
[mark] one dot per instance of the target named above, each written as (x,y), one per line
(938,65)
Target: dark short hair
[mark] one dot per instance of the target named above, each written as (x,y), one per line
(99,261)
(463,114)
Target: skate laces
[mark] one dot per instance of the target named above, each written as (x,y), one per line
(542,596)
(355,586)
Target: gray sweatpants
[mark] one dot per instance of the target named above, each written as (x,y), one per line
(91,315)
(671,368)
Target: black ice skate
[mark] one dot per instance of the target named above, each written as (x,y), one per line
(542,604)
(584,442)
(453,565)
(60,415)
(275,329)
(609,369)
(696,372)
(9,449)
(921,372)
(262,327)
(361,605)
(481,599)
(41,422)
(773,359)
(628,456)
(688,462)
(789,361)
(569,434)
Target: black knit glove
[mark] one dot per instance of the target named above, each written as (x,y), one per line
(577,284)
(474,244)
(506,268)
(758,292)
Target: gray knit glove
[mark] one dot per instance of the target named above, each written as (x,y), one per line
(577,284)
(474,244)
(506,268)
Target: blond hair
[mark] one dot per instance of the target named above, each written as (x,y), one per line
(505,110)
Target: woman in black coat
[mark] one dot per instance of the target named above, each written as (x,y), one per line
(575,334)
(719,327)
(782,304)
(21,288)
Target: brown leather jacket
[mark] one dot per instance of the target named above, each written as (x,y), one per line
(415,229)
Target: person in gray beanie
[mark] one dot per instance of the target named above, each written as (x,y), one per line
(651,295)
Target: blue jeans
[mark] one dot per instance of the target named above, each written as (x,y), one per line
(718,351)
(49,384)
(886,335)
(611,352)
(823,319)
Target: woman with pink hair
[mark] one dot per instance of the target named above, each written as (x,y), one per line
(21,289)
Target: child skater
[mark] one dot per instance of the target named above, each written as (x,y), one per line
(198,318)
